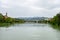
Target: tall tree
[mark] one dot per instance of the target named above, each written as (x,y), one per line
(56,19)
(1,17)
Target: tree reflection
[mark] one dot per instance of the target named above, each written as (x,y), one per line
(55,27)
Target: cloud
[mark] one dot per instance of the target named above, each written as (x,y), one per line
(27,8)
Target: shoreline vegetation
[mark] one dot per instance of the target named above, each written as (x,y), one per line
(55,20)
(5,20)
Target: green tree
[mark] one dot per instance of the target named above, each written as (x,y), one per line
(56,20)
(9,20)
(1,17)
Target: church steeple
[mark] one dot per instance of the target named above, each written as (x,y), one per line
(6,14)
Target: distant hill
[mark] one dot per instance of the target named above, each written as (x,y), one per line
(33,18)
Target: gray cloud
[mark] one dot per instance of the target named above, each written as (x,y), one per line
(30,8)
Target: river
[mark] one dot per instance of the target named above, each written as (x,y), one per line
(29,31)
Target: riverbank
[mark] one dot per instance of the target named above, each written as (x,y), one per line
(5,24)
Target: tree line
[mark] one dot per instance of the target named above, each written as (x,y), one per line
(9,19)
(55,20)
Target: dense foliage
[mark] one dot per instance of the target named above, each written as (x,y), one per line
(9,19)
(1,17)
(56,20)
(42,21)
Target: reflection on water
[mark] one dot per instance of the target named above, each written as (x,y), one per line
(55,27)
(29,31)
(6,24)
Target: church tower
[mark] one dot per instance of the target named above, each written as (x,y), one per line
(6,15)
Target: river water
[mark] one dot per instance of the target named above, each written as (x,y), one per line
(29,31)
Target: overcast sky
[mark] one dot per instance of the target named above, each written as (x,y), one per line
(30,8)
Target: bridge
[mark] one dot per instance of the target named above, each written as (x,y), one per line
(35,21)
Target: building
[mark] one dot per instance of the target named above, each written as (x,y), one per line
(5,16)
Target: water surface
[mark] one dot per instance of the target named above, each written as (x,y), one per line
(29,31)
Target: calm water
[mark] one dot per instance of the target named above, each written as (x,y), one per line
(29,31)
